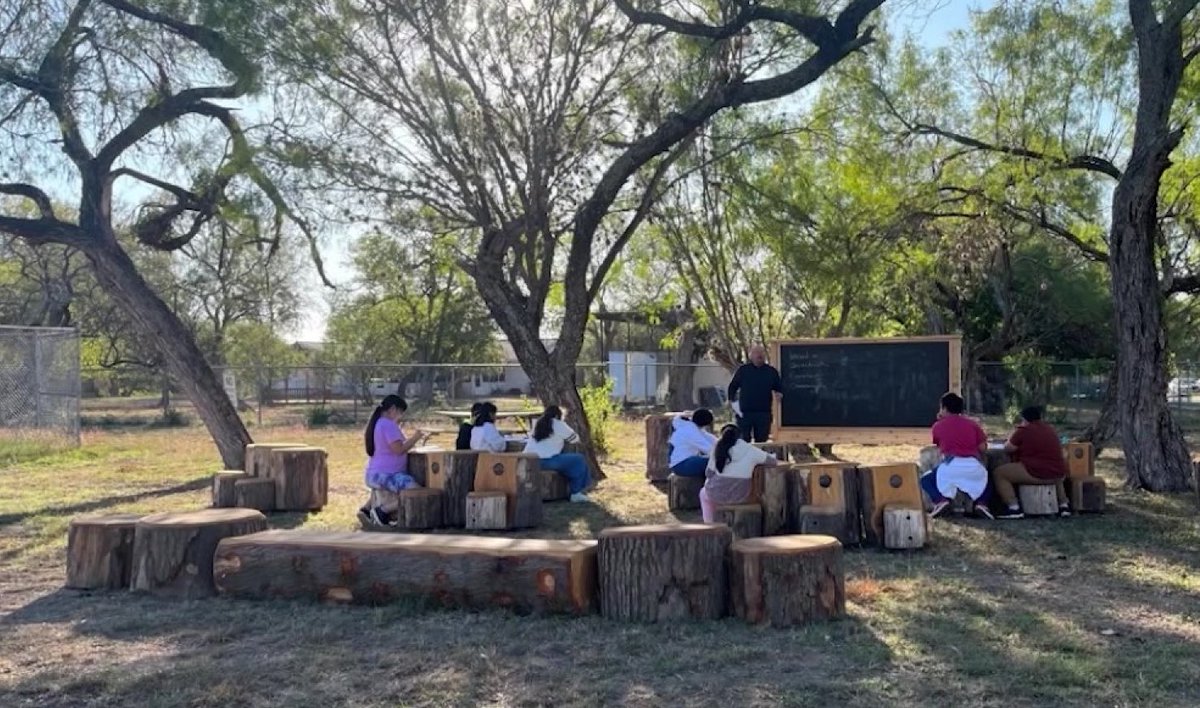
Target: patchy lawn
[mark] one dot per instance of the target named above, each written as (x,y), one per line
(1094,610)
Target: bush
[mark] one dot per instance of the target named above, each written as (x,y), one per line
(601,412)
(319,416)
(172,418)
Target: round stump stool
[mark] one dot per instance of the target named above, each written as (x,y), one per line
(100,551)
(173,553)
(420,509)
(1038,499)
(683,493)
(224,494)
(904,527)
(787,580)
(663,573)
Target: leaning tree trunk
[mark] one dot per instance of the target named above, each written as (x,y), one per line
(154,321)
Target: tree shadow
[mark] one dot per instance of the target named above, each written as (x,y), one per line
(106,502)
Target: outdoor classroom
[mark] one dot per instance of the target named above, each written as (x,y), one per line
(589,353)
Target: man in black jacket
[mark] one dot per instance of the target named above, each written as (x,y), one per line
(755,386)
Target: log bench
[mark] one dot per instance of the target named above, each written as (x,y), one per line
(663,573)
(173,552)
(787,580)
(100,551)
(474,572)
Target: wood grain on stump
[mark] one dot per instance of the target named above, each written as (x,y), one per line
(422,461)
(745,520)
(555,486)
(832,487)
(258,454)
(904,527)
(683,493)
(223,493)
(173,553)
(658,433)
(301,477)
(453,472)
(664,573)
(1081,460)
(1038,499)
(487,511)
(254,493)
(520,478)
(475,572)
(797,491)
(880,486)
(787,580)
(420,509)
(1088,494)
(100,551)
(779,450)
(771,488)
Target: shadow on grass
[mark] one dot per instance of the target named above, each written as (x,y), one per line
(108,502)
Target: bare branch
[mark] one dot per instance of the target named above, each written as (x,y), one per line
(1038,218)
(818,30)
(1091,163)
(33,194)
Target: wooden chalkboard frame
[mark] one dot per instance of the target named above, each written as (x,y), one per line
(862,436)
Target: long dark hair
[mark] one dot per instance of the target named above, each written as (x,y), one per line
(388,403)
(544,427)
(485,414)
(729,438)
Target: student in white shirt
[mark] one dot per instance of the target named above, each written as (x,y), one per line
(485,437)
(549,435)
(729,472)
(691,443)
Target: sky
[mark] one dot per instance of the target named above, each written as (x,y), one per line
(930,21)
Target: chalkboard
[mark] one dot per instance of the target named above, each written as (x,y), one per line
(865,383)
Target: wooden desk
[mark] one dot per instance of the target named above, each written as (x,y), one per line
(524,418)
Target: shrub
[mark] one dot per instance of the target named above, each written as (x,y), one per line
(601,412)
(172,418)
(319,416)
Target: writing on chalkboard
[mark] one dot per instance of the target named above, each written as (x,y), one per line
(865,384)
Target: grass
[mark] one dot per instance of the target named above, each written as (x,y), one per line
(1098,610)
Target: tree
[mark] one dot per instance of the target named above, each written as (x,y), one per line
(542,130)
(1053,83)
(92,94)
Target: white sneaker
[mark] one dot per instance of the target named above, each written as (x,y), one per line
(580,498)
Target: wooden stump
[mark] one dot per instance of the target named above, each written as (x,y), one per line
(487,511)
(258,454)
(301,477)
(254,493)
(772,490)
(173,553)
(1081,460)
(745,520)
(658,432)
(1038,499)
(520,478)
(100,551)
(904,527)
(832,486)
(779,450)
(663,573)
(994,457)
(822,521)
(1088,494)
(683,493)
(474,572)
(223,492)
(787,580)
(422,461)
(555,486)
(880,486)
(453,472)
(420,509)
(797,495)
(800,453)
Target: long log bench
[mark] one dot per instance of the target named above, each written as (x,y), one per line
(525,575)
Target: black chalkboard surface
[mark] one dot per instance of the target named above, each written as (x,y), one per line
(865,383)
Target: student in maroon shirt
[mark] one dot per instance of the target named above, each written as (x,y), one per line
(1037,458)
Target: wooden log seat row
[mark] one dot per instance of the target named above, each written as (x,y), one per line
(475,572)
(277,477)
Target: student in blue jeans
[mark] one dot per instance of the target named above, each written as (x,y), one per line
(691,443)
(550,433)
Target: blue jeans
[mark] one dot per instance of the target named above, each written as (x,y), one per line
(571,465)
(930,487)
(691,467)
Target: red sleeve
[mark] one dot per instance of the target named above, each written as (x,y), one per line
(1018,437)
(980,436)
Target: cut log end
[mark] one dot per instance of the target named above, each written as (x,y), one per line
(487,511)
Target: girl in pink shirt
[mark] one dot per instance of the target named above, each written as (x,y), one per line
(387,460)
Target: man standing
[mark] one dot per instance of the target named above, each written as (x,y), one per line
(755,386)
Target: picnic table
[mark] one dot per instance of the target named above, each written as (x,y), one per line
(524,418)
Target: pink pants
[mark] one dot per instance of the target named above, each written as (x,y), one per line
(707,508)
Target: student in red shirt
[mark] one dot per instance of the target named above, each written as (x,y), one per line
(1037,458)
(961,441)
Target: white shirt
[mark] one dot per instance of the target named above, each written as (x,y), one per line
(688,440)
(560,434)
(486,438)
(743,458)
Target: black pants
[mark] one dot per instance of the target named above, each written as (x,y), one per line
(755,426)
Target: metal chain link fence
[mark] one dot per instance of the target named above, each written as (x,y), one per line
(39,386)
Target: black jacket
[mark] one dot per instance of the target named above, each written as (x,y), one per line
(752,387)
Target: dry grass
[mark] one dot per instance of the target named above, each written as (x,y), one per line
(1086,611)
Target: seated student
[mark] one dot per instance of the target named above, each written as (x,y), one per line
(961,442)
(387,448)
(1037,458)
(463,441)
(485,436)
(549,435)
(729,471)
(691,443)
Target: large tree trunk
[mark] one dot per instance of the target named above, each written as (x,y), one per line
(1156,455)
(683,372)
(1104,430)
(118,275)
(555,385)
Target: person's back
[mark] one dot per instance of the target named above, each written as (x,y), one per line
(958,436)
(1039,450)
(961,442)
(463,441)
(728,477)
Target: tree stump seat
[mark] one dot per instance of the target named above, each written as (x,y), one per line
(420,509)
(173,552)
(1038,499)
(555,486)
(224,493)
(787,580)
(519,476)
(453,472)
(301,477)
(256,493)
(683,493)
(487,511)
(663,573)
(904,527)
(1088,494)
(745,520)
(258,455)
(100,551)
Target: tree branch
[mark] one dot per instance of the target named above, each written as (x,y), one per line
(38,232)
(1091,163)
(815,29)
(1038,219)
(33,194)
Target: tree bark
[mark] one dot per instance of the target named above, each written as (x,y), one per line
(173,553)
(420,509)
(787,580)
(663,573)
(224,492)
(117,274)
(100,551)
(254,493)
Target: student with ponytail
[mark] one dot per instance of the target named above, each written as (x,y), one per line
(550,433)
(387,448)
(729,472)
(485,436)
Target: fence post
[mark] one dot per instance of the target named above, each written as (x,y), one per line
(37,379)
